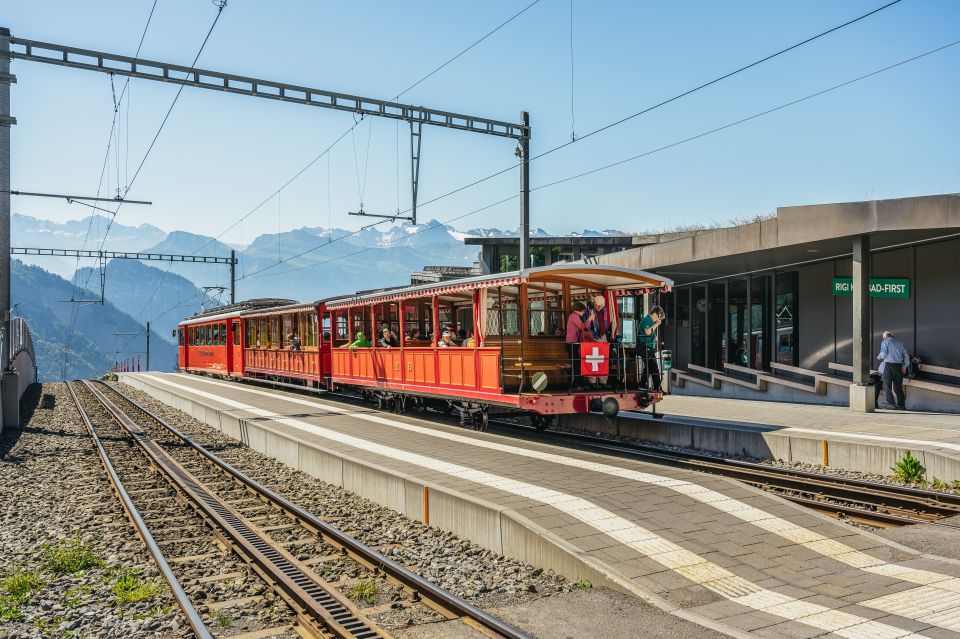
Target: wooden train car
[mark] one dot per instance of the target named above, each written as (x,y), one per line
(504,348)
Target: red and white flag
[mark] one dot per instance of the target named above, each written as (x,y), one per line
(594,359)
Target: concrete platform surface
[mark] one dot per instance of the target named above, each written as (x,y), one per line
(868,442)
(702,548)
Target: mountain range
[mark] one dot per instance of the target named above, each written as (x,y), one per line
(304,264)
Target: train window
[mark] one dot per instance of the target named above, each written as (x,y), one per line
(263,340)
(180,336)
(236,333)
(207,335)
(274,325)
(214,334)
(195,333)
(503,312)
(223,334)
(342,328)
(545,313)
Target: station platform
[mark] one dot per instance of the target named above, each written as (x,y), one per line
(807,433)
(704,548)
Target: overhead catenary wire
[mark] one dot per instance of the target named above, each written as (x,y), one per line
(625,119)
(638,156)
(415,84)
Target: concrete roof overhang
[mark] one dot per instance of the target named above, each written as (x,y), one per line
(797,235)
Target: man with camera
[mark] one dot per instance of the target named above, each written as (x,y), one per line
(647,348)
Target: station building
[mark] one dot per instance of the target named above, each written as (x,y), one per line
(766,310)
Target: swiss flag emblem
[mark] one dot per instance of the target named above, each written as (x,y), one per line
(595,359)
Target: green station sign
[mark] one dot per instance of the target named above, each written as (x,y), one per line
(879,287)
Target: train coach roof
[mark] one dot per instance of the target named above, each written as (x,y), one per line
(233,310)
(578,276)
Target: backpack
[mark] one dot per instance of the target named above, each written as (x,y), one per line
(913,371)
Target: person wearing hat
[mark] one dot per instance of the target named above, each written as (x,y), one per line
(446,340)
(387,338)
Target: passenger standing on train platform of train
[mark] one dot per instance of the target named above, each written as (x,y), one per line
(575,328)
(647,344)
(295,341)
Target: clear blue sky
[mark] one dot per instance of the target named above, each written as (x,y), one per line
(890,136)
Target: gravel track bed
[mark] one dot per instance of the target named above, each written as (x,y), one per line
(478,575)
(59,513)
(180,533)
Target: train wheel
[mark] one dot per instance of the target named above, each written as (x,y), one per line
(541,422)
(484,420)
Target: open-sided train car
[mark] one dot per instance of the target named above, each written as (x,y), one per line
(507,353)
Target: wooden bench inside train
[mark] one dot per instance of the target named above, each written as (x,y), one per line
(521,314)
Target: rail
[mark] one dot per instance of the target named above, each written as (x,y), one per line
(430,593)
(193,617)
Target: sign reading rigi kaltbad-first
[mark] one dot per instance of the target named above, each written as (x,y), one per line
(879,287)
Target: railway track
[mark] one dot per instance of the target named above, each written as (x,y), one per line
(864,502)
(216,525)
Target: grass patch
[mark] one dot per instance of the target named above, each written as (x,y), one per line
(130,587)
(909,469)
(15,590)
(365,591)
(75,595)
(224,620)
(69,555)
(585,584)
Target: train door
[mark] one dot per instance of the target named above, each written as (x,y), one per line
(235,348)
(181,348)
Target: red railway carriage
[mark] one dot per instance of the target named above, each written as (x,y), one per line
(504,348)
(508,350)
(284,343)
(212,342)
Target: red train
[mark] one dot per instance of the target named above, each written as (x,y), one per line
(493,343)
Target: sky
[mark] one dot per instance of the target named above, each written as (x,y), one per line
(220,155)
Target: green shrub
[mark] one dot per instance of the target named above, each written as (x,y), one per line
(69,555)
(130,587)
(365,591)
(909,469)
(585,584)
(16,587)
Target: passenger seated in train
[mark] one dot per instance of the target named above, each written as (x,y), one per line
(387,338)
(294,342)
(470,341)
(359,342)
(415,335)
(384,326)
(446,340)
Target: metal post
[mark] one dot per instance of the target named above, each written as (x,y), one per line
(861,310)
(861,393)
(148,346)
(524,152)
(6,121)
(233,282)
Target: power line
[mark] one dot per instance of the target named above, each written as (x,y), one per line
(326,151)
(621,120)
(642,155)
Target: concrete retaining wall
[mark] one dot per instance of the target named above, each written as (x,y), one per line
(755,441)
(498,529)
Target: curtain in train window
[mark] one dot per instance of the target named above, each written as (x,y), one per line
(286,334)
(311,330)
